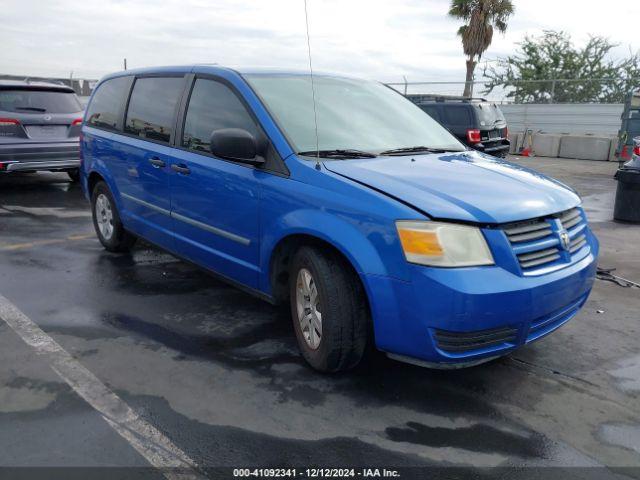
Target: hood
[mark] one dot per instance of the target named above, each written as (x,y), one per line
(466,186)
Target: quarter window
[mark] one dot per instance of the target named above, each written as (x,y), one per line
(213,106)
(152,107)
(432,112)
(457,115)
(106,104)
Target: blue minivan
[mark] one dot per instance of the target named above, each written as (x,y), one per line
(343,198)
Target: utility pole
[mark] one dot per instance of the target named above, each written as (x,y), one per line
(125,63)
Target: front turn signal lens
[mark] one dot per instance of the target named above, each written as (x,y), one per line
(419,242)
(441,244)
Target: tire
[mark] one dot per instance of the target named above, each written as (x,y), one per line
(106,221)
(74,175)
(340,342)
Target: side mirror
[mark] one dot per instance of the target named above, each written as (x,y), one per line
(236,144)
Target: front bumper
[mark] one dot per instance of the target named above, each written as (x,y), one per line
(430,319)
(39,156)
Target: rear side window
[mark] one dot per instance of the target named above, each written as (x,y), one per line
(152,107)
(106,104)
(432,111)
(38,101)
(457,115)
(213,106)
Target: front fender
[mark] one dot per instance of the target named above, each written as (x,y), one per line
(343,235)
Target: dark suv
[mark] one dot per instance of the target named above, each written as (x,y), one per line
(474,121)
(39,127)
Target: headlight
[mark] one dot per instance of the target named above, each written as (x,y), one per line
(443,244)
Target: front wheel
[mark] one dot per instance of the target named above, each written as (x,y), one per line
(329,310)
(106,221)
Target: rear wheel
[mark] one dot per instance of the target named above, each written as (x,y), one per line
(329,310)
(74,174)
(106,221)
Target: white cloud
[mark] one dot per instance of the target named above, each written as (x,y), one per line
(371,38)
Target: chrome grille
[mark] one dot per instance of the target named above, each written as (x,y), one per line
(528,231)
(528,260)
(537,242)
(577,243)
(570,218)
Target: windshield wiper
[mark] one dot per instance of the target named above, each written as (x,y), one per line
(417,149)
(34,109)
(338,153)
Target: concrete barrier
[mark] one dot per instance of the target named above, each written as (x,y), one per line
(516,141)
(546,144)
(585,147)
(612,150)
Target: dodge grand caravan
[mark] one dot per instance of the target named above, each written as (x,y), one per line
(360,210)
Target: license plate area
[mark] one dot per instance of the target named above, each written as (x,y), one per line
(46,131)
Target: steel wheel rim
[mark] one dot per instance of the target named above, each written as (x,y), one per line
(308,309)
(104,216)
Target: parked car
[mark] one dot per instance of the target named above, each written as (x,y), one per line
(382,228)
(39,127)
(474,121)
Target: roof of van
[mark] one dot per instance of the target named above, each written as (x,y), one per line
(215,68)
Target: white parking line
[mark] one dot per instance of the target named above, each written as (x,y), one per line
(149,442)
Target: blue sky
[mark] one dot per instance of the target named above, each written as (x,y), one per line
(376,39)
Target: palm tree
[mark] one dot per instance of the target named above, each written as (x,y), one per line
(481,17)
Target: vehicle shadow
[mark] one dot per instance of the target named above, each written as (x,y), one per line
(202,318)
(39,190)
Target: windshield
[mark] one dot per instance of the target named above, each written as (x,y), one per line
(38,101)
(489,114)
(352,115)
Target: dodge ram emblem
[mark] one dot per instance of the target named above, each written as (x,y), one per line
(565,241)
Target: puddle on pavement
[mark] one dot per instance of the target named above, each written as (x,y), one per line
(475,438)
(623,435)
(627,374)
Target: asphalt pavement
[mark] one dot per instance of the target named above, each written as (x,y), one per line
(137,360)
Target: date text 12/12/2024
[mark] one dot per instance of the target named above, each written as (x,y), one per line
(315,473)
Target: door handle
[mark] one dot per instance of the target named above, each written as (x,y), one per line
(157,163)
(181,169)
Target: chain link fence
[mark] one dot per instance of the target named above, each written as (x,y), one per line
(560,90)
